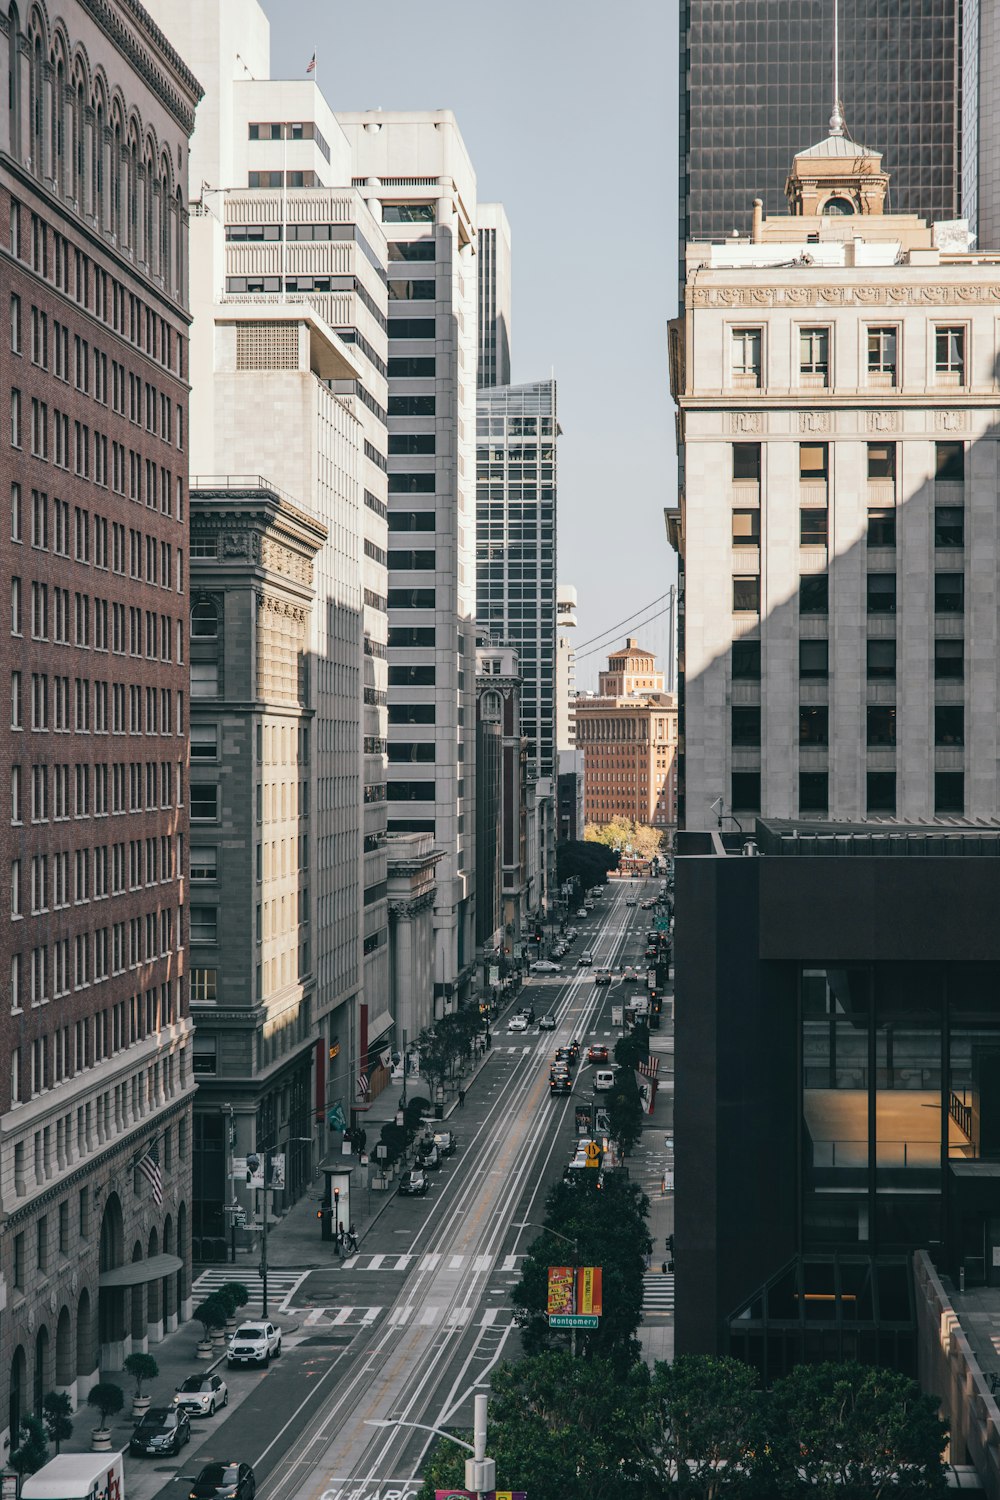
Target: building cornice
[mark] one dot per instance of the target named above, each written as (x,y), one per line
(864,294)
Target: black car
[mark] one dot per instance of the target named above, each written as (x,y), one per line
(413,1183)
(560,1083)
(164,1429)
(224,1482)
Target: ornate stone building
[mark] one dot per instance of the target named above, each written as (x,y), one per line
(253,982)
(628,736)
(412,859)
(95,1029)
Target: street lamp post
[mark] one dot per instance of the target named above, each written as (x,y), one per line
(480,1471)
(530,1224)
(336,1217)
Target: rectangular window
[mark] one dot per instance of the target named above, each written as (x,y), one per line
(814,659)
(746,528)
(949,462)
(949,724)
(814,794)
(204,742)
(204,986)
(881,723)
(745,792)
(949,355)
(949,659)
(204,924)
(949,526)
(746,661)
(949,792)
(882,660)
(814,355)
(745,725)
(881,593)
(813,525)
(814,724)
(204,863)
(746,461)
(814,461)
(746,354)
(949,593)
(882,357)
(814,594)
(204,802)
(882,527)
(882,461)
(882,793)
(746,596)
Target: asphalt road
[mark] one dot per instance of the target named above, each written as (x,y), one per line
(408,1330)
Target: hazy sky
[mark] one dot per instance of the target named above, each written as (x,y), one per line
(569,112)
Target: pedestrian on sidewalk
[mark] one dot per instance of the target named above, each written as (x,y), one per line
(461,1098)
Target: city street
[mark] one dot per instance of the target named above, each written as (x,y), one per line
(408,1329)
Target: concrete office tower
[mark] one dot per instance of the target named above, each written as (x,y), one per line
(627,733)
(95,1256)
(415,173)
(836,378)
(493,234)
(289,376)
(757,80)
(516,480)
(503,799)
(981,121)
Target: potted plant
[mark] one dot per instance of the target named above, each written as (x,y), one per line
(108,1399)
(211,1314)
(32,1449)
(141,1367)
(57,1411)
(236,1294)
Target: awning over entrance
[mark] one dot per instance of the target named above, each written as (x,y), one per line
(379,1026)
(139,1272)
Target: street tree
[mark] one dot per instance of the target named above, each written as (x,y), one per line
(851,1431)
(625,1112)
(705,1433)
(585,862)
(633,1049)
(57,1416)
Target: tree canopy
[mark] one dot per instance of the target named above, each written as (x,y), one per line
(639,839)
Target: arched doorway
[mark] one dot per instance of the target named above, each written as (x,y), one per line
(138,1320)
(183,1250)
(111,1301)
(86,1351)
(154,1293)
(40,1376)
(169,1282)
(18,1383)
(65,1365)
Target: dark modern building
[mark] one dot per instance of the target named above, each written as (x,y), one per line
(757,80)
(837,1098)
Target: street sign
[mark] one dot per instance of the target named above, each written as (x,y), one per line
(593,1154)
(239,1218)
(573,1320)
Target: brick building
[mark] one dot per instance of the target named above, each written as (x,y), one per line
(628,735)
(94,1253)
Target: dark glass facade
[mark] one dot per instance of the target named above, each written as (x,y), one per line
(756,86)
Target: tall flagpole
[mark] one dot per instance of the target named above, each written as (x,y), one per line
(836,119)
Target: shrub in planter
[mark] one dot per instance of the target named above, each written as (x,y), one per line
(394,1139)
(32,1448)
(237,1291)
(141,1367)
(57,1412)
(107,1398)
(211,1314)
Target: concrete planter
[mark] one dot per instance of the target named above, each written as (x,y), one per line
(141,1405)
(204,1349)
(100,1440)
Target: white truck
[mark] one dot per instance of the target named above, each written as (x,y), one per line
(77,1476)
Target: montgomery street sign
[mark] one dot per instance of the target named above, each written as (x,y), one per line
(573,1320)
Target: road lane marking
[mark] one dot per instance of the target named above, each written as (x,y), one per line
(429,1262)
(455,1264)
(429,1316)
(509,1263)
(402,1262)
(482,1262)
(375,1262)
(343,1315)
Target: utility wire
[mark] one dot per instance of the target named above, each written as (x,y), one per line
(602,635)
(579,655)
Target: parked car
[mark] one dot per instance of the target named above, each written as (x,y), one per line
(547,1022)
(604,1081)
(528,1012)
(224,1482)
(582,912)
(602,976)
(254,1344)
(446,1142)
(597,1053)
(430,1158)
(517,1023)
(199,1395)
(164,1429)
(413,1183)
(545,966)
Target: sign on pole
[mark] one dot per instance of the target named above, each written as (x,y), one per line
(574,1292)
(474,1495)
(574,1320)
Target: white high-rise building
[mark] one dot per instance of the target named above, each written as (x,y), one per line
(288,374)
(493,232)
(836,379)
(415,174)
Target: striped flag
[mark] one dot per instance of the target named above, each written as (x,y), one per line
(363,1085)
(650,1068)
(150,1169)
(312,64)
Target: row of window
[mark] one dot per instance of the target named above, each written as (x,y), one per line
(77,705)
(110,547)
(54,881)
(814,659)
(880,725)
(126,471)
(814,793)
(814,461)
(814,527)
(815,363)
(73,272)
(148,634)
(63,791)
(880,591)
(288,130)
(49,972)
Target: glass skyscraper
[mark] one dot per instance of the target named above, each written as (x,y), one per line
(757,85)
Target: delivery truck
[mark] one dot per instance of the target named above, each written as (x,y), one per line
(77,1476)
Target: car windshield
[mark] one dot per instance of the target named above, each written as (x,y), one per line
(194,1383)
(157,1416)
(218,1475)
(250,1331)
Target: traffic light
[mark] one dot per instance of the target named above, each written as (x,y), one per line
(670,1243)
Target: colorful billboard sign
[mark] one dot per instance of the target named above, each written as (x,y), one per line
(575,1290)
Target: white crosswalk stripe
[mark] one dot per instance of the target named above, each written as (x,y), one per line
(432,1260)
(658,1292)
(429,1316)
(279,1283)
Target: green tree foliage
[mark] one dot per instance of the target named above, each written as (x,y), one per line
(639,839)
(608,1222)
(853,1431)
(211,1313)
(587,863)
(633,1049)
(32,1448)
(237,1292)
(57,1414)
(705,1426)
(109,1398)
(143,1367)
(625,1112)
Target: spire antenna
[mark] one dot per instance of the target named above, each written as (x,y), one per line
(836,119)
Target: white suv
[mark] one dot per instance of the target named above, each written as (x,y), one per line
(254,1344)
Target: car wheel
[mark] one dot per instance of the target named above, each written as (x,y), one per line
(211,1408)
(277,1352)
(267,1358)
(225,1399)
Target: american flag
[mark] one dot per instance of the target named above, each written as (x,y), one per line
(650,1067)
(363,1085)
(150,1169)
(312,64)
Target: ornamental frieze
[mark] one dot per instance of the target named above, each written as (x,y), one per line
(844,296)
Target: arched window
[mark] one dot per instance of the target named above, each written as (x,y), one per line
(79,148)
(148,247)
(165,207)
(838,207)
(13,82)
(116,182)
(59,127)
(98,167)
(204,621)
(37,106)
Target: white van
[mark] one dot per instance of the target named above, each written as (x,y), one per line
(604,1080)
(77,1476)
